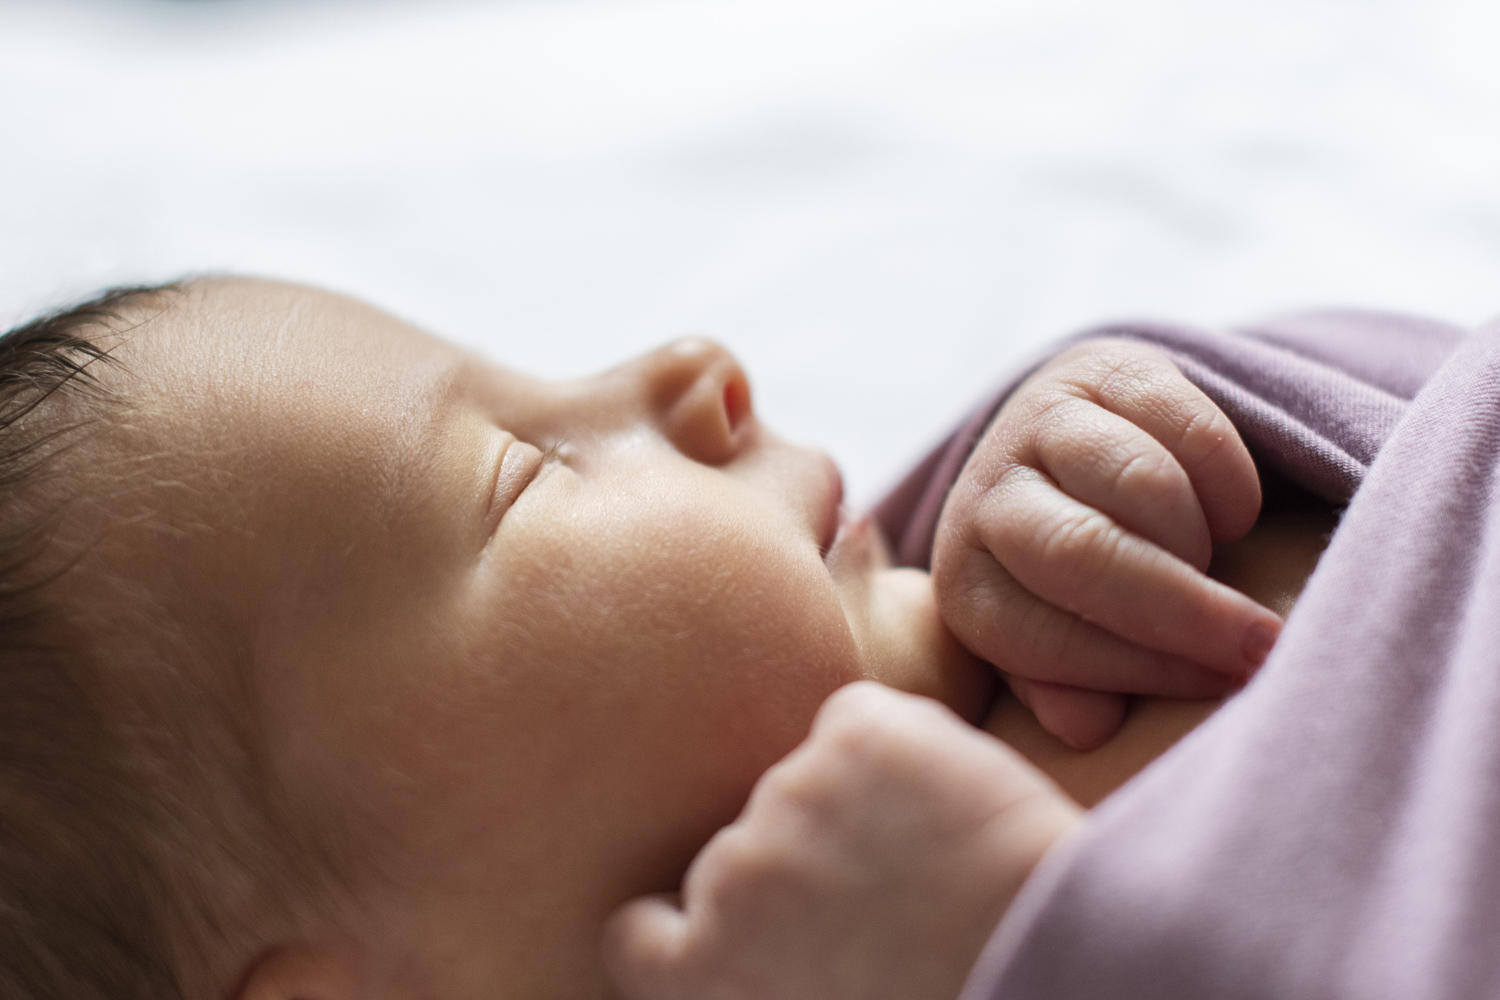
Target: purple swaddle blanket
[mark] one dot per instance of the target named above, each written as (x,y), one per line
(1334,831)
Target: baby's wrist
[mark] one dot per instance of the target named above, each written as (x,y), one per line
(1044,821)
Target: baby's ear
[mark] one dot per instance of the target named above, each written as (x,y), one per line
(305,971)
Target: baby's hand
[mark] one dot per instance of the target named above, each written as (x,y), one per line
(1071,551)
(872,862)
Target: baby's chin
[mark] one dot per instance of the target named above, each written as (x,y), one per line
(893,614)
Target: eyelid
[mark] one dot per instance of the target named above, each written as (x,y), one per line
(518,466)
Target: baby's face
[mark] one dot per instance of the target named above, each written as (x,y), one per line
(540,639)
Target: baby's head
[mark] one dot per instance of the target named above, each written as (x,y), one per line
(341,663)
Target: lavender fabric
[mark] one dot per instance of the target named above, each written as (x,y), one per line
(1334,831)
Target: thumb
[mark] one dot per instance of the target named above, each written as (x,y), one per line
(643,948)
(1080,717)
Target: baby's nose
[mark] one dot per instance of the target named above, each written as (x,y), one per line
(701,398)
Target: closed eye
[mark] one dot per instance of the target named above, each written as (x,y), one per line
(519,466)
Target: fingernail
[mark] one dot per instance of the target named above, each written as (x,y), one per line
(1259,638)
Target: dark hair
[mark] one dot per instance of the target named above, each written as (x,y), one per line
(78,877)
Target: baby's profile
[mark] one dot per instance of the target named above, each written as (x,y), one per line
(344,664)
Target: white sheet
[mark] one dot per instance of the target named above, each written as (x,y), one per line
(819,183)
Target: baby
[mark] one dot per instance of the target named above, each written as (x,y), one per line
(876,859)
(340,663)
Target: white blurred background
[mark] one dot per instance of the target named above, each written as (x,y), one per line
(878,205)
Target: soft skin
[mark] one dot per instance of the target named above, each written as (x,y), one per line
(1271,565)
(876,859)
(1071,550)
(533,643)
(872,862)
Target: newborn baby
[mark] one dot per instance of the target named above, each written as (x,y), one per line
(344,664)
(876,859)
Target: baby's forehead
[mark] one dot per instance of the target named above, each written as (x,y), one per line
(232,356)
(231,331)
(280,402)
(297,426)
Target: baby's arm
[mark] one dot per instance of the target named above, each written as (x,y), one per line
(1071,551)
(874,861)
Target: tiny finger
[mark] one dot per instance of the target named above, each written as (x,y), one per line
(1144,386)
(1107,462)
(1001,621)
(643,948)
(1081,718)
(1079,559)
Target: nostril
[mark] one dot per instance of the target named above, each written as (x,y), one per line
(736,400)
(700,397)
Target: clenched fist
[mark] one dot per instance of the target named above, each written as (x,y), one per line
(873,862)
(1072,548)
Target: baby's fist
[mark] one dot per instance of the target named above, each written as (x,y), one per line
(1071,550)
(872,862)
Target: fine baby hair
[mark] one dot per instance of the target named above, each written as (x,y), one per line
(341,631)
(85,848)
(137,831)
(344,663)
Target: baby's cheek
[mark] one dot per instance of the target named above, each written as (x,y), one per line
(705,663)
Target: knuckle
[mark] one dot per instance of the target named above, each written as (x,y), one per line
(814,780)
(1058,402)
(1046,402)
(848,707)
(991,455)
(1205,434)
(981,503)
(786,783)
(1082,544)
(741,859)
(1117,370)
(1003,444)
(749,864)
(1067,429)
(873,724)
(1009,515)
(1100,355)
(858,734)
(1148,474)
(989,509)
